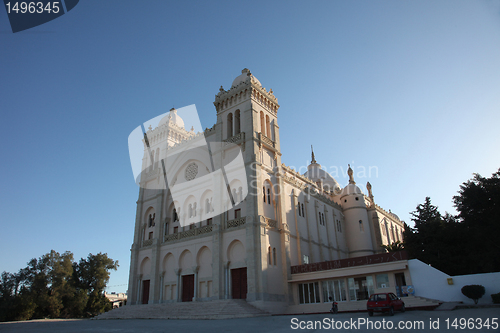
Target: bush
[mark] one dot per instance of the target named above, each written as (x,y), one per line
(473,291)
(496,298)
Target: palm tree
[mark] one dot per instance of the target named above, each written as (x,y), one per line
(395,246)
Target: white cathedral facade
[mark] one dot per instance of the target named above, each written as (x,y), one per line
(279,239)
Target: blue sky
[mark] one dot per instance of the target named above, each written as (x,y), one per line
(409,88)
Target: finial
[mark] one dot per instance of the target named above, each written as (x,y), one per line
(173,110)
(221,89)
(313,160)
(369,188)
(192,128)
(349,172)
(271,91)
(150,128)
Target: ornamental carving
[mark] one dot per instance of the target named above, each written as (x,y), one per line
(191,171)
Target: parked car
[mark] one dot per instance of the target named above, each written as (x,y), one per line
(384,302)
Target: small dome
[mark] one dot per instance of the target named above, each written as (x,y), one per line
(243,78)
(351,189)
(394,215)
(172,117)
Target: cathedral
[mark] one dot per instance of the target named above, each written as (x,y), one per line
(220,217)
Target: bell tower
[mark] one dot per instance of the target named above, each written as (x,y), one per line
(247,107)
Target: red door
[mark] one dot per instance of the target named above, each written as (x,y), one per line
(239,283)
(187,288)
(145,292)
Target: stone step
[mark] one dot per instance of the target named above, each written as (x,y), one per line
(218,309)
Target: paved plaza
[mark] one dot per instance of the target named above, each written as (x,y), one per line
(277,324)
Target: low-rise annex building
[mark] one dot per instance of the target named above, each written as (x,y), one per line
(275,222)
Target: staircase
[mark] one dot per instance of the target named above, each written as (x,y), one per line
(421,303)
(218,309)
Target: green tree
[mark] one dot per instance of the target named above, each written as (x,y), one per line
(473,291)
(56,287)
(435,239)
(478,206)
(92,275)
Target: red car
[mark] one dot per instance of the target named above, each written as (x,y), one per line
(386,302)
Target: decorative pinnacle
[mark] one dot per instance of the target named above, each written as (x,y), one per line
(369,188)
(350,173)
(313,160)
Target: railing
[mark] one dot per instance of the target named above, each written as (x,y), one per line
(235,139)
(188,233)
(266,140)
(271,223)
(204,230)
(235,223)
(147,242)
(171,237)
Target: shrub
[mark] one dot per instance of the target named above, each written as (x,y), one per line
(473,291)
(496,298)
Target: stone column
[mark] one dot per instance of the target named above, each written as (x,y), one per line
(308,229)
(162,285)
(139,285)
(330,249)
(178,273)
(195,270)
(284,235)
(318,225)
(226,280)
(297,231)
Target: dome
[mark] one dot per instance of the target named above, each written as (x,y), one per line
(316,173)
(351,189)
(394,215)
(243,78)
(173,118)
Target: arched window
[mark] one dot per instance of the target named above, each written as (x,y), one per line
(175,217)
(274,256)
(264,193)
(194,209)
(298,208)
(303,210)
(237,122)
(229,125)
(269,256)
(268,127)
(320,222)
(262,123)
(268,196)
(190,210)
(207,206)
(235,196)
